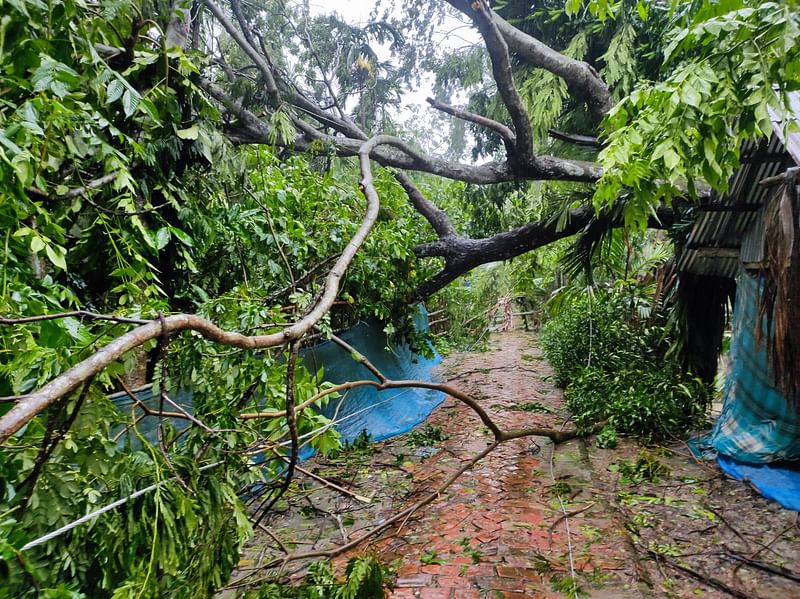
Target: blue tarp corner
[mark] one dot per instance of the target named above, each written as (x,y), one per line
(778,481)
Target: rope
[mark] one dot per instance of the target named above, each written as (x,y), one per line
(566,518)
(92,515)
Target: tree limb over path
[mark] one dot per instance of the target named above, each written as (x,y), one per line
(462,254)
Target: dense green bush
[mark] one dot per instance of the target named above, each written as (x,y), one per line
(589,328)
(615,368)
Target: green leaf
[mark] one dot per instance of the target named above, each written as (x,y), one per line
(37,245)
(114,91)
(130,101)
(183,237)
(162,238)
(190,133)
(56,255)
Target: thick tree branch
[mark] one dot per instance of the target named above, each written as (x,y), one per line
(433,214)
(462,254)
(580,76)
(482,16)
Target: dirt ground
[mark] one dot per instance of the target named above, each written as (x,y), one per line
(531,519)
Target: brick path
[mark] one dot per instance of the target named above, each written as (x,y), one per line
(499,530)
(495,533)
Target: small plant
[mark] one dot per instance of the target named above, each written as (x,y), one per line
(567,585)
(646,468)
(475,554)
(430,557)
(359,447)
(533,406)
(666,549)
(428,436)
(607,438)
(541,564)
(560,489)
(366,577)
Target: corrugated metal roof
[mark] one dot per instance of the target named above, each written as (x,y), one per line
(723,228)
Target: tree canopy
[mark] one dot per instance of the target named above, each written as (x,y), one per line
(240,171)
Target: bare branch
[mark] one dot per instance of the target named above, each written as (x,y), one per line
(73,314)
(574,138)
(433,214)
(499,128)
(80,191)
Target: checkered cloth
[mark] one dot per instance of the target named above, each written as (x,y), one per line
(757,425)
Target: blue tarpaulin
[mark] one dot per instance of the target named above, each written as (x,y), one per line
(779,481)
(382,414)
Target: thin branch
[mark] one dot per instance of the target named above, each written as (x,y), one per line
(146,410)
(499,128)
(49,444)
(359,357)
(291,422)
(263,66)
(111,212)
(576,139)
(73,314)
(80,191)
(706,580)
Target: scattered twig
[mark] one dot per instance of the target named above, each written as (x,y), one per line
(706,580)
(760,565)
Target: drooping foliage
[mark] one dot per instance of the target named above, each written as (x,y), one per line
(726,69)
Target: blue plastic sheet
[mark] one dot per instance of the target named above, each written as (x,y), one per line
(779,481)
(382,414)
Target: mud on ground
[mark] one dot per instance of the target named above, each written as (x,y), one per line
(530,520)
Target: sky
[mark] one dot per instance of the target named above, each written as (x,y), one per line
(452,34)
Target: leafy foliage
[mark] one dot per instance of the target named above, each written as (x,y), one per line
(728,68)
(366,577)
(615,369)
(119,193)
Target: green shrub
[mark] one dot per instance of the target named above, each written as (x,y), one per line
(587,331)
(644,399)
(366,577)
(615,369)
